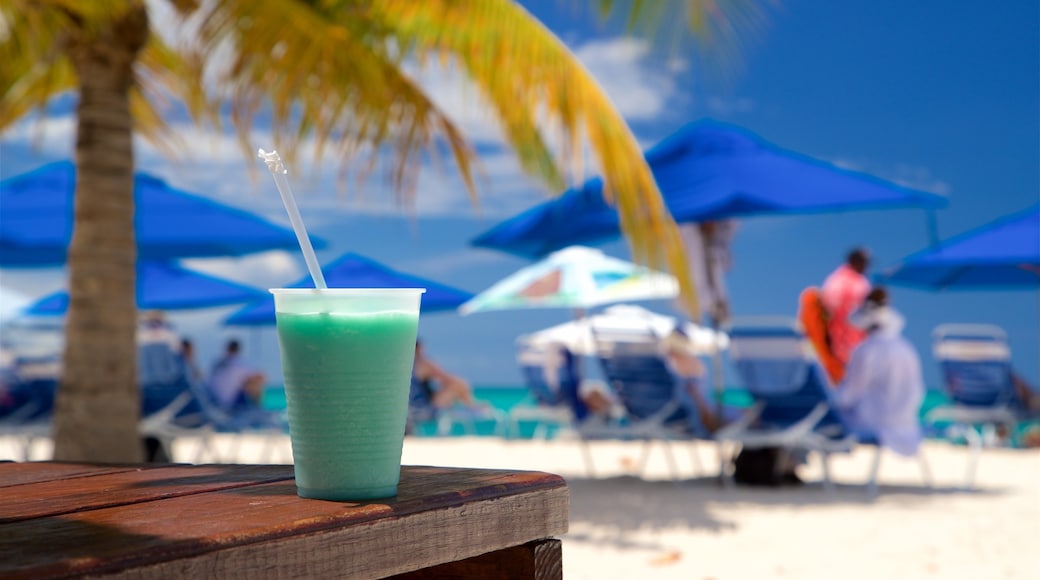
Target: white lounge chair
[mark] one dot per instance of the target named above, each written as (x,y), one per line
(793,407)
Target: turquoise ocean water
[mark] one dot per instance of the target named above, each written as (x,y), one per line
(504,398)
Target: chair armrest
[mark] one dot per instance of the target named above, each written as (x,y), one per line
(735,429)
(800,433)
(22,413)
(167,413)
(963,414)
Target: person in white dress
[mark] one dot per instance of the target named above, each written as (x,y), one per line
(883,388)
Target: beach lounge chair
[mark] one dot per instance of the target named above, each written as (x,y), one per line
(25,421)
(269,425)
(165,394)
(549,406)
(975,361)
(792,408)
(421,410)
(174,406)
(656,408)
(166,425)
(27,389)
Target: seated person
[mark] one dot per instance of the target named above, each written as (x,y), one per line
(883,388)
(160,373)
(1027,400)
(153,328)
(585,397)
(1025,395)
(600,400)
(191,366)
(233,383)
(157,347)
(442,388)
(682,359)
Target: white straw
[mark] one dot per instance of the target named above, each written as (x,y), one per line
(274,163)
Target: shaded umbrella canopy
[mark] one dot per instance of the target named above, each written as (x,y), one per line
(575,277)
(356,271)
(577,336)
(165,286)
(1001,255)
(706,171)
(36,210)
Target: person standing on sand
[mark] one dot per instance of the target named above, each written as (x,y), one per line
(842,293)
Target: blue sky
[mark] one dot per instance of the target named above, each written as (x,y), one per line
(936,95)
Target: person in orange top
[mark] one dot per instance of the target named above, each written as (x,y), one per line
(842,293)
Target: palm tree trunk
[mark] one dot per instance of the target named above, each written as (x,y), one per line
(98,404)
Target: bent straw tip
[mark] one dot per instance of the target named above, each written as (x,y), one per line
(273,161)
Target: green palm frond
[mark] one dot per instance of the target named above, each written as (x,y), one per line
(333,71)
(526,74)
(328,73)
(35,68)
(724,30)
(713,22)
(39,36)
(163,79)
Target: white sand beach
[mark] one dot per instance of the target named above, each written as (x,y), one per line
(623,526)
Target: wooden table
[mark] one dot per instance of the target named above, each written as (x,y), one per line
(246,521)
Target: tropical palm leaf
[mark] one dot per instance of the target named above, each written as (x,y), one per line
(719,24)
(331,71)
(35,67)
(327,73)
(37,40)
(525,73)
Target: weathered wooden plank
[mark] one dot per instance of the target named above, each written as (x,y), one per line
(539,560)
(425,487)
(381,548)
(111,488)
(12,473)
(440,515)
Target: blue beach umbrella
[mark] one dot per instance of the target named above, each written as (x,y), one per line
(356,271)
(706,171)
(36,210)
(1001,255)
(165,286)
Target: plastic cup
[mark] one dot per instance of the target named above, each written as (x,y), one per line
(347,356)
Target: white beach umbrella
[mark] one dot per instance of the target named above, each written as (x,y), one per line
(12,304)
(575,277)
(577,335)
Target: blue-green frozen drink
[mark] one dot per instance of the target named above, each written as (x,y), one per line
(347,359)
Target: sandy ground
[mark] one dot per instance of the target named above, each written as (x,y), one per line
(627,526)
